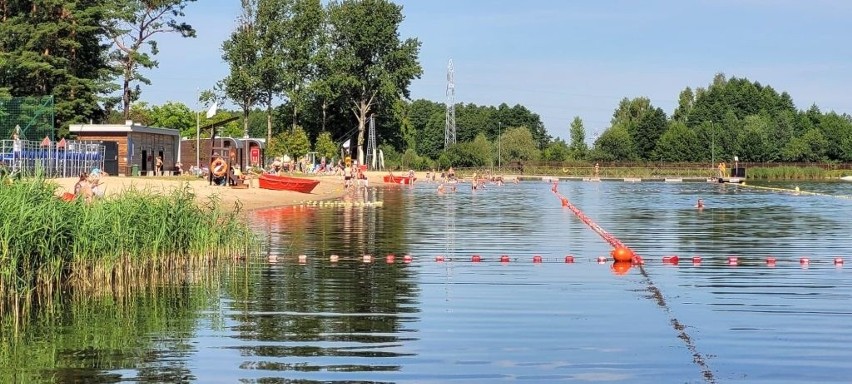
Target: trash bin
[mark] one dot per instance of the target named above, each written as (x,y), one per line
(134,170)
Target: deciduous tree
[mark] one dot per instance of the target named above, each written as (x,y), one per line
(370,62)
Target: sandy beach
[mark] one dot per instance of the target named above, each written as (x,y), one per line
(330,187)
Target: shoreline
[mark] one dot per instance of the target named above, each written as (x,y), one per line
(252,198)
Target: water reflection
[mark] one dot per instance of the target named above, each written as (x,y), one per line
(314,320)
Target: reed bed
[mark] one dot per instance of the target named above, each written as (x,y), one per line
(46,242)
(788,173)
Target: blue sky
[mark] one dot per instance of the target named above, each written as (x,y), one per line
(563,59)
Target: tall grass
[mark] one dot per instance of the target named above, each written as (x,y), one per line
(46,242)
(787,173)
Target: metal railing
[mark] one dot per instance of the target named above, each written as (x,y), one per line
(52,159)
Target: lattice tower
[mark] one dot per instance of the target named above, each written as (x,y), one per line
(371,144)
(450,126)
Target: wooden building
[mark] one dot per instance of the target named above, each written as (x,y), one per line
(138,145)
(245,152)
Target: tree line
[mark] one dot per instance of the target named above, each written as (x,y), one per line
(304,72)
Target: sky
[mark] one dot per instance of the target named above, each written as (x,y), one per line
(562,59)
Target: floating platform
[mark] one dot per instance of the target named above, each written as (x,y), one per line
(731,180)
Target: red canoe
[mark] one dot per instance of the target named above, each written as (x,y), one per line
(399,179)
(287,183)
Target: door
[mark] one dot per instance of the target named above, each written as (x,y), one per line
(110,157)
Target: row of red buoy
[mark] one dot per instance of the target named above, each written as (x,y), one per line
(734,260)
(389,258)
(569,259)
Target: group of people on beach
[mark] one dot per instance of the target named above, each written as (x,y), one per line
(89,186)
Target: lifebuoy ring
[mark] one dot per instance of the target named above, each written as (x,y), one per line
(219,167)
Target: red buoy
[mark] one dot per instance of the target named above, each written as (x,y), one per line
(504,259)
(439,259)
(601,259)
(569,259)
(838,261)
(732,260)
(804,260)
(696,259)
(770,261)
(390,258)
(536,259)
(475,258)
(406,259)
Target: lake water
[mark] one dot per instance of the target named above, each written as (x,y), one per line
(277,319)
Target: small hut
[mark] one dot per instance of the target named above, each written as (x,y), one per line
(136,146)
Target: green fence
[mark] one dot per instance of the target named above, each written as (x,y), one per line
(31,117)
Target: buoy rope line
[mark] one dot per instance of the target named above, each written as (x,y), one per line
(697,357)
(793,191)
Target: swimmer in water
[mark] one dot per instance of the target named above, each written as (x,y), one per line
(700,204)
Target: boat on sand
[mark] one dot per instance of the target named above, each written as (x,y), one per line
(287,183)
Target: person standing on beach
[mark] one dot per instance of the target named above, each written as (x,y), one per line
(159,166)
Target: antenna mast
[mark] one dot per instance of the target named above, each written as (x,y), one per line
(450,126)
(371,144)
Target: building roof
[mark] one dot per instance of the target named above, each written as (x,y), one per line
(127,127)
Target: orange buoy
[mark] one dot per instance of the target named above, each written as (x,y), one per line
(476,258)
(536,259)
(569,259)
(504,259)
(390,258)
(564,202)
(622,254)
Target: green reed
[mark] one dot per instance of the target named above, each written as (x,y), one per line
(787,173)
(46,242)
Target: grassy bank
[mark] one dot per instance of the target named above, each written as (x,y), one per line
(46,242)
